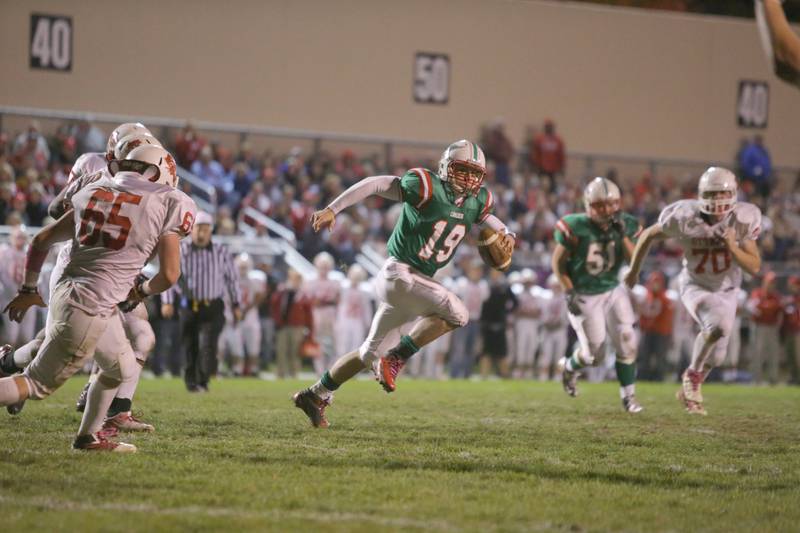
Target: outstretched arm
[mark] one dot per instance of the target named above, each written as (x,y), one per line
(781,43)
(746,255)
(385,186)
(646,239)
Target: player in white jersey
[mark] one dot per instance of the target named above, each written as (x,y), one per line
(88,169)
(354,311)
(526,325)
(116,225)
(324,293)
(241,340)
(718,236)
(12,270)
(553,343)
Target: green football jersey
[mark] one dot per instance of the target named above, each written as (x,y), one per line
(432,225)
(595,255)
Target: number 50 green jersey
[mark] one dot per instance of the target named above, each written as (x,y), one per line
(433,222)
(595,254)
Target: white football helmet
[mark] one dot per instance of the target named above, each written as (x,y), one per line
(123,130)
(244,263)
(324,262)
(356,274)
(152,162)
(463,167)
(601,199)
(129,142)
(717,191)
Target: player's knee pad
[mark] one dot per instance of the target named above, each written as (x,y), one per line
(457,315)
(715,333)
(627,342)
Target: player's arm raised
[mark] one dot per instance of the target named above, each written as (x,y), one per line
(28,295)
(781,43)
(385,186)
(745,254)
(646,239)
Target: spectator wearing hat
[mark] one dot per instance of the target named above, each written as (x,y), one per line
(207,274)
(547,154)
(766,312)
(791,326)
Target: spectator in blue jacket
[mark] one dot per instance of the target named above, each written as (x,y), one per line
(756,166)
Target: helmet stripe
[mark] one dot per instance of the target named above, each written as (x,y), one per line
(474,151)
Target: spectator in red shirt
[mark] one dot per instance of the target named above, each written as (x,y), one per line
(548,154)
(791,326)
(292,315)
(766,312)
(499,150)
(188,144)
(655,321)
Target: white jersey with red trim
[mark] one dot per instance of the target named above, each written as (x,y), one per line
(324,293)
(12,272)
(118,222)
(88,163)
(707,261)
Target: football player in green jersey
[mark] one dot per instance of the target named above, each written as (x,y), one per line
(591,248)
(438,211)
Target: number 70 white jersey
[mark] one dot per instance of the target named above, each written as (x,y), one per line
(707,261)
(118,222)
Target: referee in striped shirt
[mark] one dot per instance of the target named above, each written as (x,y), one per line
(207,272)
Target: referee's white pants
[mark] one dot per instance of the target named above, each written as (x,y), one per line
(404,295)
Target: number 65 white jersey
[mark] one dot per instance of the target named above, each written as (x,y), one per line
(118,222)
(707,261)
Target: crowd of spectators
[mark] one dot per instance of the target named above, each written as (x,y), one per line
(529,183)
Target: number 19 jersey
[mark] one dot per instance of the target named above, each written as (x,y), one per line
(118,222)
(595,254)
(706,259)
(432,222)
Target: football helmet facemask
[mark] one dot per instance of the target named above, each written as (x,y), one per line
(463,167)
(601,199)
(717,191)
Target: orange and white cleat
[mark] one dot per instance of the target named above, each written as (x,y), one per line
(127,422)
(386,370)
(313,406)
(99,442)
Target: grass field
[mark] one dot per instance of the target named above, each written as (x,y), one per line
(505,456)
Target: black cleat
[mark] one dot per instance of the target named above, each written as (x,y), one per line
(80,405)
(15,408)
(313,406)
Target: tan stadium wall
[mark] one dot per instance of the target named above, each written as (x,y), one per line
(620,81)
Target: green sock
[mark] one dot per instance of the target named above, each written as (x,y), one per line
(574,363)
(327,382)
(405,348)
(626,373)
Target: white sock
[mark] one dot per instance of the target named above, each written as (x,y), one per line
(128,388)
(9,391)
(627,390)
(97,404)
(321,391)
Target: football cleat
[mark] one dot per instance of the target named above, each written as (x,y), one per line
(127,422)
(692,407)
(15,408)
(80,405)
(99,442)
(387,369)
(313,406)
(569,378)
(631,405)
(692,380)
(7,366)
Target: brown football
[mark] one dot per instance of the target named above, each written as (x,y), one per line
(491,251)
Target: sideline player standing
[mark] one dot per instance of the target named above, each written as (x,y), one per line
(438,211)
(117,223)
(718,236)
(591,248)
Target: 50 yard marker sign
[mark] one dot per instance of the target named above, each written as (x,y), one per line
(51,42)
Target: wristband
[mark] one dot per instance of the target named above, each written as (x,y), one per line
(35,259)
(28,290)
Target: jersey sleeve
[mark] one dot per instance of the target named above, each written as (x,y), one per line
(632,226)
(564,235)
(181,212)
(670,220)
(486,201)
(416,186)
(751,220)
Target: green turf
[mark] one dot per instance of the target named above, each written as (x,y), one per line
(504,456)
